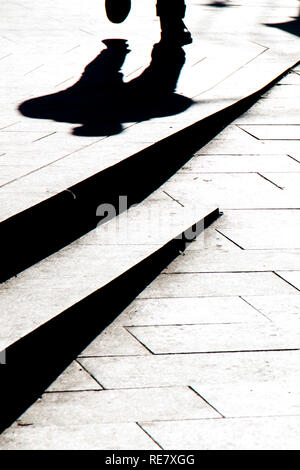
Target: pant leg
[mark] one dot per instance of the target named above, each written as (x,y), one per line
(170,8)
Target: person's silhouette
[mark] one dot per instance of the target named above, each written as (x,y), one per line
(170,13)
(101,101)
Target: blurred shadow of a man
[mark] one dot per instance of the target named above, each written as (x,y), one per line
(101,101)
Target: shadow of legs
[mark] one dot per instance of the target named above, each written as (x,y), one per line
(101,102)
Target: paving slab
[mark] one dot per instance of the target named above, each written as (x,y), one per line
(242,164)
(290,183)
(75,378)
(125,436)
(235,261)
(218,337)
(277,308)
(231,190)
(262,229)
(182,369)
(248,399)
(212,240)
(262,433)
(73,40)
(158,363)
(227,146)
(217,284)
(259,219)
(115,341)
(117,406)
(201,310)
(261,238)
(274,131)
(259,113)
(292,277)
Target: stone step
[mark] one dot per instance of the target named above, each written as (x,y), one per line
(54,309)
(52,181)
(65,278)
(33,225)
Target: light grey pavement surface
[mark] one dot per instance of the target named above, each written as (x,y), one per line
(45,49)
(207,357)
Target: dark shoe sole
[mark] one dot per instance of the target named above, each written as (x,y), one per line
(117,10)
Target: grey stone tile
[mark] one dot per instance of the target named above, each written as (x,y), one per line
(267,433)
(277,308)
(184,369)
(116,406)
(260,113)
(249,399)
(235,146)
(161,213)
(240,163)
(274,229)
(229,191)
(212,240)
(17,319)
(289,182)
(233,261)
(115,341)
(264,238)
(74,378)
(216,337)
(120,436)
(61,266)
(9,173)
(274,131)
(272,218)
(282,146)
(61,65)
(175,311)
(63,62)
(216,284)
(293,277)
(212,74)
(49,289)
(295,154)
(8,137)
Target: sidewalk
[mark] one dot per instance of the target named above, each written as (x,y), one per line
(233,55)
(207,356)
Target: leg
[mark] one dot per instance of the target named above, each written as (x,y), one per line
(170,8)
(171,14)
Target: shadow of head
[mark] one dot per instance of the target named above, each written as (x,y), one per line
(100,102)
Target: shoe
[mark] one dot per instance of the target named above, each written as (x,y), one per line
(117,10)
